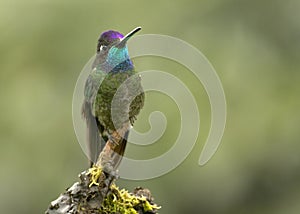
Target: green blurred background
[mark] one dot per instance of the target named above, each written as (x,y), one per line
(254,47)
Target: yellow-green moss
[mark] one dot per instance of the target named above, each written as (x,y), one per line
(121,201)
(95,173)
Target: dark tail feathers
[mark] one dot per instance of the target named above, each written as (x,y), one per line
(94,141)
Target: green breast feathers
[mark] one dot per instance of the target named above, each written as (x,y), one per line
(116,98)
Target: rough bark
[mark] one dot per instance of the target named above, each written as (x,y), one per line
(88,196)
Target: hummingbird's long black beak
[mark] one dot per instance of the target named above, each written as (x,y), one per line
(123,41)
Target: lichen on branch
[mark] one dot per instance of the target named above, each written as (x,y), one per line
(96,193)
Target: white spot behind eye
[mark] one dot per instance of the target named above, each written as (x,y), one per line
(103,47)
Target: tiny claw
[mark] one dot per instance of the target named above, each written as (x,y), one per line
(115,174)
(108,167)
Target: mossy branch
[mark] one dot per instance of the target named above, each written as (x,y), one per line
(86,196)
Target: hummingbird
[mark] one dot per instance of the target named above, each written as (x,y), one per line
(113,97)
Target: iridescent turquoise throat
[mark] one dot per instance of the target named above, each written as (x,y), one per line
(117,60)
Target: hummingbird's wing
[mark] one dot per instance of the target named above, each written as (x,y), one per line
(95,141)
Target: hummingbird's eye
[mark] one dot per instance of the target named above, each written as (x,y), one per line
(103,48)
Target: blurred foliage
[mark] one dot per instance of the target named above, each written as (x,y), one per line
(254,46)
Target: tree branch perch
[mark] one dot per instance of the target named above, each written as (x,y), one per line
(96,193)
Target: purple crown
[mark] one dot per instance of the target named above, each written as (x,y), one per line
(111,35)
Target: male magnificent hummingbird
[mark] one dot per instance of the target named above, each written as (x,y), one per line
(113,97)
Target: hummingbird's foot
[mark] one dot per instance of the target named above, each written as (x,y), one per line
(107,166)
